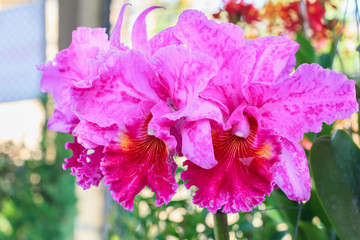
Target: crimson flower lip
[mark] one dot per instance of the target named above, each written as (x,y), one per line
(136,161)
(244,173)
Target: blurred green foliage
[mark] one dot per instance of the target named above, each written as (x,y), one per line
(181,219)
(37,199)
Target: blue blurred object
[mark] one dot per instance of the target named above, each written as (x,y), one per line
(22,47)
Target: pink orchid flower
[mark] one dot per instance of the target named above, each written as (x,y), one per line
(127,109)
(267,111)
(230,105)
(76,68)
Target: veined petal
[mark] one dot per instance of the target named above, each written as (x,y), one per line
(209,109)
(75,66)
(275,57)
(139,34)
(139,160)
(184,73)
(84,164)
(244,173)
(164,38)
(303,101)
(89,38)
(62,123)
(127,80)
(132,69)
(225,43)
(227,86)
(197,143)
(57,82)
(91,135)
(293,172)
(195,30)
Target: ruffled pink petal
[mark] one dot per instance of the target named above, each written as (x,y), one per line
(275,57)
(127,80)
(139,160)
(77,150)
(244,173)
(91,135)
(79,61)
(139,34)
(289,67)
(195,30)
(57,82)
(197,143)
(115,37)
(293,172)
(62,123)
(184,73)
(84,164)
(228,85)
(134,72)
(209,109)
(301,102)
(164,38)
(89,37)
(225,43)
(74,66)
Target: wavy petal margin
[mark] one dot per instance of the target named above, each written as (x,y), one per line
(301,102)
(139,160)
(293,172)
(275,58)
(84,164)
(244,173)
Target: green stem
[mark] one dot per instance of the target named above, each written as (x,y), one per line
(221,228)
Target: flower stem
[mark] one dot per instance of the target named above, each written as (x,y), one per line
(221,229)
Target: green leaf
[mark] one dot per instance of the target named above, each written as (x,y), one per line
(310,231)
(325,130)
(306,52)
(317,209)
(325,60)
(335,165)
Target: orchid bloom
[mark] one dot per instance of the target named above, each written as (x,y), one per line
(232,106)
(137,97)
(76,68)
(267,110)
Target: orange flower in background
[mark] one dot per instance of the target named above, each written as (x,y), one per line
(283,17)
(290,16)
(315,14)
(239,11)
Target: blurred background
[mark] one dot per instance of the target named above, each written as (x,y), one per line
(38,200)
